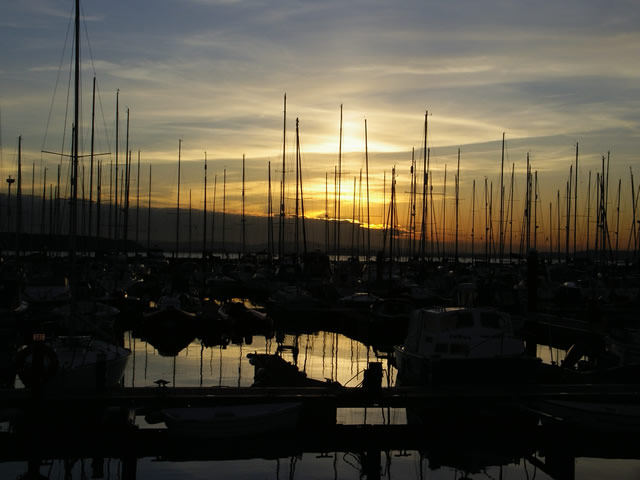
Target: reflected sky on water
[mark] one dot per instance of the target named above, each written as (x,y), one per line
(322,355)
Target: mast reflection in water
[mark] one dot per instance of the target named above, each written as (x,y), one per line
(363,443)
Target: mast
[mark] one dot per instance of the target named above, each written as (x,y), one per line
(501,229)
(326,212)
(76,120)
(33,196)
(244,241)
(535,210)
(149,215)
(618,219)
(444,215)
(138,202)
(19,199)
(558,257)
(299,167)
(366,158)
(224,209)
(44,203)
(633,231)
(178,201)
(575,206)
(339,188)
(204,217)
(115,198)
(425,183)
(588,245)
(569,185)
(457,205)
(353,220)
(270,218)
(486,221)
(297,207)
(392,222)
(213,212)
(127,179)
(189,230)
(98,200)
(513,170)
(282,184)
(93,121)
(412,205)
(473,221)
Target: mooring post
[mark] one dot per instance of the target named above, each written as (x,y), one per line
(372,381)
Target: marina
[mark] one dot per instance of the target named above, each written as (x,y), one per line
(392,322)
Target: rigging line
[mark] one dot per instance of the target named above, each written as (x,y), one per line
(64,48)
(104,121)
(66,111)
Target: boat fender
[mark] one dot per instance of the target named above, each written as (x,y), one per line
(24,363)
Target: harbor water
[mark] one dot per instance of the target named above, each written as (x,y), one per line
(325,356)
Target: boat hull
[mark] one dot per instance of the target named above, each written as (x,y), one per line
(414,369)
(233,420)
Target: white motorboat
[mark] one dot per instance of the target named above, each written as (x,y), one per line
(462,345)
(71,363)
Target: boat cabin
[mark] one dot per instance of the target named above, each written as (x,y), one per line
(461,332)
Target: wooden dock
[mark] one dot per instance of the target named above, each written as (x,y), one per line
(337,397)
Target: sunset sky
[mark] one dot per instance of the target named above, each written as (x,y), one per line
(213,73)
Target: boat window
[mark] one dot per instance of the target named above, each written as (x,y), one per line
(441,348)
(460,348)
(464,320)
(491,320)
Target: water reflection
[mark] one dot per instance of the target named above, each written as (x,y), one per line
(457,440)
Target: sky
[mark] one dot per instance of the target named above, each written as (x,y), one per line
(213,73)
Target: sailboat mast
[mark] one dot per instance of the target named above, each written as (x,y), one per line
(93,120)
(213,212)
(98,200)
(326,212)
(339,199)
(297,207)
(76,120)
(513,171)
(204,217)
(178,201)
(138,202)
(149,215)
(618,219)
(501,230)
(189,230)
(127,178)
(244,240)
(366,158)
(282,184)
(19,199)
(269,217)
(444,215)
(114,179)
(457,205)
(575,206)
(44,203)
(588,243)
(224,209)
